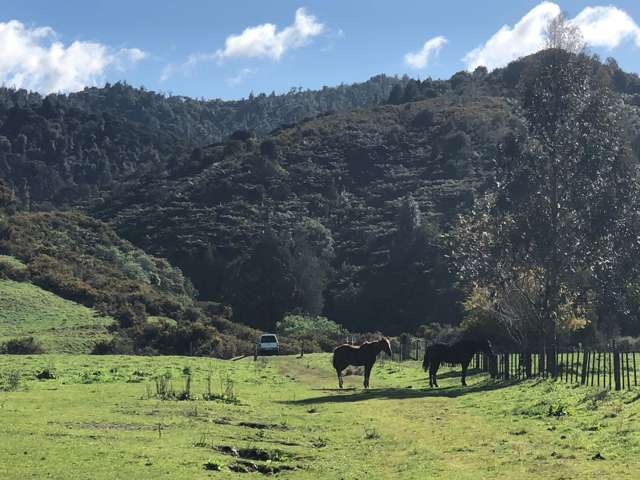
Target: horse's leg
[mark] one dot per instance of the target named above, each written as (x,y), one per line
(367,374)
(339,372)
(433,372)
(430,376)
(465,365)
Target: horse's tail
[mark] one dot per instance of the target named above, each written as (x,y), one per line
(425,362)
(339,355)
(334,359)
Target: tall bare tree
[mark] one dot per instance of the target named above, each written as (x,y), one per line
(564,194)
(561,34)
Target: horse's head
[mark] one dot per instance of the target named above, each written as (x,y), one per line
(385,345)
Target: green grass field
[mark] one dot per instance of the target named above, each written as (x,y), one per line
(100,419)
(58,324)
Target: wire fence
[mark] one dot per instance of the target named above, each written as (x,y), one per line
(606,369)
(612,369)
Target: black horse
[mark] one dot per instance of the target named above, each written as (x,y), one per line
(459,353)
(364,355)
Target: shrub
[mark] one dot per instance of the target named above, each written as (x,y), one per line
(22,346)
(242,135)
(314,331)
(47,373)
(164,387)
(423,119)
(269,148)
(120,344)
(103,347)
(438,333)
(10,381)
(13,268)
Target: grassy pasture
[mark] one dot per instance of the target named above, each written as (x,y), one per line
(100,418)
(59,325)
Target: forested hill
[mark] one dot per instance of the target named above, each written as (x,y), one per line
(344,208)
(61,150)
(340,214)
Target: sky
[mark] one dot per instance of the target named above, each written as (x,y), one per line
(228,49)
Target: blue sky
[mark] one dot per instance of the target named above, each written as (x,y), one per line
(203,49)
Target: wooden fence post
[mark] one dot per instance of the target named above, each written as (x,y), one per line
(616,367)
(505,363)
(626,356)
(492,365)
(526,364)
(571,372)
(585,365)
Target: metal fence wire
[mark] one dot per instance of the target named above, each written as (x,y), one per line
(613,369)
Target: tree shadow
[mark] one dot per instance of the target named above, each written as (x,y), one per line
(400,393)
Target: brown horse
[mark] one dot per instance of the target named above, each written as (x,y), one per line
(364,355)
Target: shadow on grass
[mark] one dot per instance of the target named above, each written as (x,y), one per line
(398,393)
(458,373)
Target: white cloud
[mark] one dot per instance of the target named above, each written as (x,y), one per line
(606,26)
(265,41)
(601,26)
(262,41)
(241,76)
(186,67)
(134,54)
(510,43)
(34,59)
(421,58)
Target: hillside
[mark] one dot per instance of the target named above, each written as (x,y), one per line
(72,267)
(59,325)
(63,150)
(355,174)
(344,213)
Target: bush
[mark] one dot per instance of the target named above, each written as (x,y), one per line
(22,346)
(12,268)
(120,344)
(242,135)
(10,381)
(317,332)
(269,148)
(437,333)
(423,119)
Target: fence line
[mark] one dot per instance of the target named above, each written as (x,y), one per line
(614,370)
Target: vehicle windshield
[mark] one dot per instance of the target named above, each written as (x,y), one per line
(268,339)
